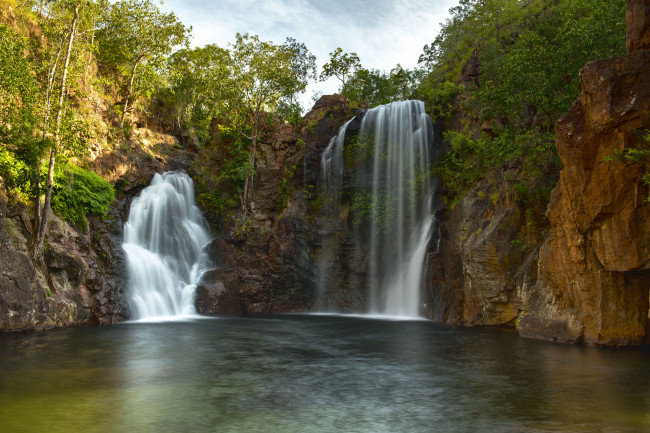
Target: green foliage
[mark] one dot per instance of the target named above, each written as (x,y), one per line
(364,204)
(638,153)
(19,148)
(16,175)
(527,55)
(290,112)
(199,88)
(471,158)
(358,148)
(237,164)
(216,205)
(78,193)
(535,79)
(342,66)
(284,187)
(372,87)
(439,97)
(134,33)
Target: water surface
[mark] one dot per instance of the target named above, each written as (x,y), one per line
(299,373)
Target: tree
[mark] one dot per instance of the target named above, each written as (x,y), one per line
(373,87)
(134,32)
(262,73)
(342,66)
(53,67)
(19,93)
(40,227)
(303,67)
(200,87)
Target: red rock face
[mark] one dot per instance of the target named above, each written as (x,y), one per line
(638,25)
(594,271)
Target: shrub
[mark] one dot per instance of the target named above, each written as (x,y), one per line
(79,193)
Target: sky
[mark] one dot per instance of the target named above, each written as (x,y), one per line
(383,33)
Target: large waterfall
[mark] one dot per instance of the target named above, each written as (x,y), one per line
(163,240)
(383,174)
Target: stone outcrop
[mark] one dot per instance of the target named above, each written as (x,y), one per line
(81,282)
(594,270)
(638,25)
(487,257)
(267,260)
(83,279)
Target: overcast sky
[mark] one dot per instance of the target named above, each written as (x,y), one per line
(382,32)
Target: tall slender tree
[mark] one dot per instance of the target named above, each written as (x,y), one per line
(38,234)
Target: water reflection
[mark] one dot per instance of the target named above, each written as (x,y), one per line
(314,374)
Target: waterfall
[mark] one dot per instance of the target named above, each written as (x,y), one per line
(384,175)
(163,240)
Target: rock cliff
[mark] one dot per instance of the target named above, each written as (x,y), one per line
(267,261)
(83,280)
(587,280)
(594,269)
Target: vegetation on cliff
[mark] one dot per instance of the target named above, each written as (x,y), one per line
(57,55)
(512,68)
(506,68)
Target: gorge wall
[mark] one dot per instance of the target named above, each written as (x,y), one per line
(594,273)
(584,279)
(267,261)
(587,281)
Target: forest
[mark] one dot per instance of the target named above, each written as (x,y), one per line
(508,68)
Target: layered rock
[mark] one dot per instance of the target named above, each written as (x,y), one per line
(594,270)
(81,281)
(487,257)
(267,260)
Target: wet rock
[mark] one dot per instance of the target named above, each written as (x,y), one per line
(267,259)
(484,265)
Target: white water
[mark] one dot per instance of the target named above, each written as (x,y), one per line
(397,180)
(163,240)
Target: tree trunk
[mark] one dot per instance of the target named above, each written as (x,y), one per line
(128,94)
(90,54)
(38,246)
(249,182)
(36,221)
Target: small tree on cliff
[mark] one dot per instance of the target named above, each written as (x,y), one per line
(263,73)
(134,32)
(342,66)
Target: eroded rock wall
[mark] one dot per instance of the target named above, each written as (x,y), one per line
(267,261)
(81,282)
(593,272)
(487,257)
(83,277)
(594,277)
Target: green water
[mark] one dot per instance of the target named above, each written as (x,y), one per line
(300,373)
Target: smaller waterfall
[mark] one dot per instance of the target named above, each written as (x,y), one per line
(163,240)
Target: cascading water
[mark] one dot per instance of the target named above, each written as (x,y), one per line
(386,169)
(163,240)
